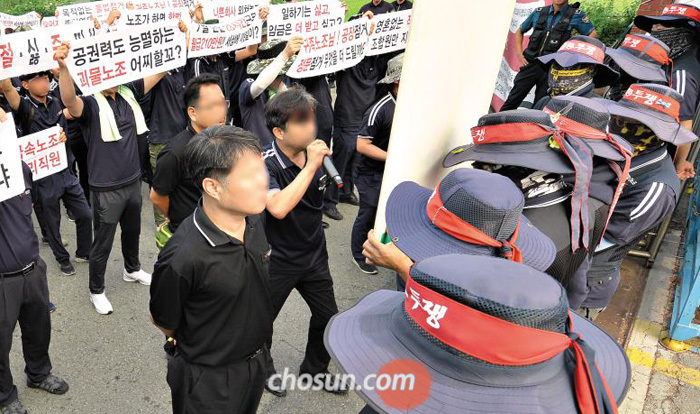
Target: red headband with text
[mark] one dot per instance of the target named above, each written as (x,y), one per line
(583,48)
(515,132)
(682,10)
(646,46)
(653,100)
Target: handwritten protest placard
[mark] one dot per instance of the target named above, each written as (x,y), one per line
(11,177)
(119,57)
(26,52)
(289,19)
(50,21)
(390,32)
(43,153)
(138,17)
(85,11)
(212,39)
(331,50)
(224,10)
(31,19)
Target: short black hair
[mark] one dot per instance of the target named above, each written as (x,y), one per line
(30,76)
(294,104)
(195,84)
(213,152)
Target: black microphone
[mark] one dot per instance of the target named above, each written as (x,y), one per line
(332,171)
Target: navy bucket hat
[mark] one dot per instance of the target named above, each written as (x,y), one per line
(471,212)
(491,336)
(673,15)
(584,49)
(643,57)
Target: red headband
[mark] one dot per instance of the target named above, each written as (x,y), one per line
(448,222)
(654,100)
(583,48)
(500,342)
(515,132)
(646,46)
(682,10)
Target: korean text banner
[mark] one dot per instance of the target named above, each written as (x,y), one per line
(43,153)
(224,10)
(11,177)
(390,32)
(32,19)
(331,50)
(212,39)
(129,54)
(26,52)
(289,19)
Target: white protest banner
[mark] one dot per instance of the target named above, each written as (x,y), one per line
(72,33)
(32,19)
(43,153)
(48,22)
(157,5)
(85,11)
(26,52)
(331,50)
(390,32)
(11,176)
(119,57)
(138,17)
(212,39)
(289,19)
(227,9)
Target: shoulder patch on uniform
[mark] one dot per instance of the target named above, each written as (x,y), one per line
(586,19)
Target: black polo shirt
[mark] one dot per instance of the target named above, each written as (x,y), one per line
(253,113)
(236,75)
(383,7)
(172,179)
(215,65)
(19,245)
(213,291)
(376,125)
(168,114)
(36,116)
(111,165)
(298,241)
(356,90)
(406,5)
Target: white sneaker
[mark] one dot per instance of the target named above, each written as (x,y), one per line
(101,303)
(140,276)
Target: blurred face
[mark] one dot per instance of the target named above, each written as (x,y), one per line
(37,86)
(211,107)
(299,133)
(376,2)
(245,189)
(560,2)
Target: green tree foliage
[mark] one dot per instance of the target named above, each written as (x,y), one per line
(610,17)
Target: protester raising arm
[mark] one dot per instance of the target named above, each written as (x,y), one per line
(11,94)
(270,74)
(70,99)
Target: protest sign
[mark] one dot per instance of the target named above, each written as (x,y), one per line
(212,39)
(224,10)
(138,17)
(48,22)
(331,50)
(289,19)
(119,57)
(11,177)
(31,19)
(390,32)
(85,11)
(26,52)
(43,153)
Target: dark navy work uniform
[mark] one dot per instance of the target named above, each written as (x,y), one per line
(686,81)
(212,290)
(382,7)
(376,125)
(299,259)
(25,292)
(115,173)
(253,112)
(59,186)
(406,5)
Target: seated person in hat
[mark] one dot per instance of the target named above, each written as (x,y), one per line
(677,27)
(372,144)
(639,59)
(522,350)
(470,212)
(266,72)
(647,116)
(576,69)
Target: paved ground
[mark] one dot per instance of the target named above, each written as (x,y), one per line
(115,363)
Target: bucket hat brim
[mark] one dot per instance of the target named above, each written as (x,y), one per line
(367,336)
(534,155)
(636,67)
(604,76)
(646,22)
(258,65)
(413,233)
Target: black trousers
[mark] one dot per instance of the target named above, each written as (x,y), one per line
(368,186)
(25,299)
(80,152)
(344,145)
(227,389)
(533,74)
(316,288)
(111,208)
(50,191)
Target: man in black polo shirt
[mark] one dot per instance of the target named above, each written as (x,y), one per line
(372,144)
(210,292)
(377,7)
(293,225)
(25,298)
(115,172)
(400,5)
(37,111)
(174,193)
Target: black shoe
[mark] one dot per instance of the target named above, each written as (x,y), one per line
(70,216)
(67,268)
(81,259)
(52,307)
(366,268)
(43,240)
(325,224)
(276,388)
(351,199)
(51,384)
(333,213)
(15,407)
